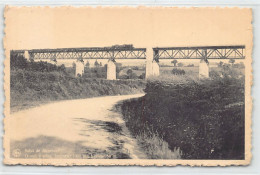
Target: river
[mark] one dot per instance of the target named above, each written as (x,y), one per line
(84,126)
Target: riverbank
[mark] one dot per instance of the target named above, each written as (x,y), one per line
(191,118)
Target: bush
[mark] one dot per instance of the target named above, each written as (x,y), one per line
(129,75)
(239,65)
(227,71)
(176,71)
(190,65)
(135,68)
(180,64)
(95,72)
(142,76)
(19,62)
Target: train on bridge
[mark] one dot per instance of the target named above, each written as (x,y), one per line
(128,51)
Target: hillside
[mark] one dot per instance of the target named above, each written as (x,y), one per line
(34,83)
(197,119)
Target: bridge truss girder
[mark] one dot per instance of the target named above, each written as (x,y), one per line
(87,53)
(206,52)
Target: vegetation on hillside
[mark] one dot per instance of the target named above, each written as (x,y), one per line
(197,119)
(176,71)
(179,117)
(33,83)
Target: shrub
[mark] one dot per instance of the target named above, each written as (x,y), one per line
(19,62)
(190,65)
(135,68)
(142,76)
(124,77)
(176,71)
(129,72)
(95,72)
(239,65)
(180,64)
(227,71)
(129,75)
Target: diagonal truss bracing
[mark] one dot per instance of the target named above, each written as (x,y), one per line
(205,52)
(86,53)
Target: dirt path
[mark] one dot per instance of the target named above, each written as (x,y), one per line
(84,128)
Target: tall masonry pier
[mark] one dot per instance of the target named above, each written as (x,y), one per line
(152,66)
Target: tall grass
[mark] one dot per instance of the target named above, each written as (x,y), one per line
(156,148)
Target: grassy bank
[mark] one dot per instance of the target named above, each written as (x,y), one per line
(197,119)
(34,83)
(30,88)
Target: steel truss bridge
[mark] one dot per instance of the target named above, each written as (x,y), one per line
(129,52)
(114,52)
(205,52)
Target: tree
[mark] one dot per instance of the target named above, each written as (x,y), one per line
(220,64)
(232,61)
(142,76)
(180,64)
(96,64)
(129,72)
(18,61)
(62,68)
(87,64)
(174,62)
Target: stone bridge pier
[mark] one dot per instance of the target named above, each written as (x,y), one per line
(79,67)
(152,69)
(111,70)
(203,69)
(26,55)
(152,66)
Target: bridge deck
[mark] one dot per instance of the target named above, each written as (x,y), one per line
(129,52)
(201,52)
(86,53)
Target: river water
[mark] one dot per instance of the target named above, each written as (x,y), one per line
(67,126)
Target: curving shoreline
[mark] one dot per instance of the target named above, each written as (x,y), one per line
(87,128)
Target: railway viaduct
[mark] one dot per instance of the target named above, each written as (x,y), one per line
(115,52)
(203,53)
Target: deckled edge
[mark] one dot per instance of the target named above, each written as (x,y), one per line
(116,162)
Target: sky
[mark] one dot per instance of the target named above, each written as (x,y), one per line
(65,27)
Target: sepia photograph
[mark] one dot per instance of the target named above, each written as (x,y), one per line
(159,86)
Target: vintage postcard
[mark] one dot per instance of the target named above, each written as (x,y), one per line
(147,86)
